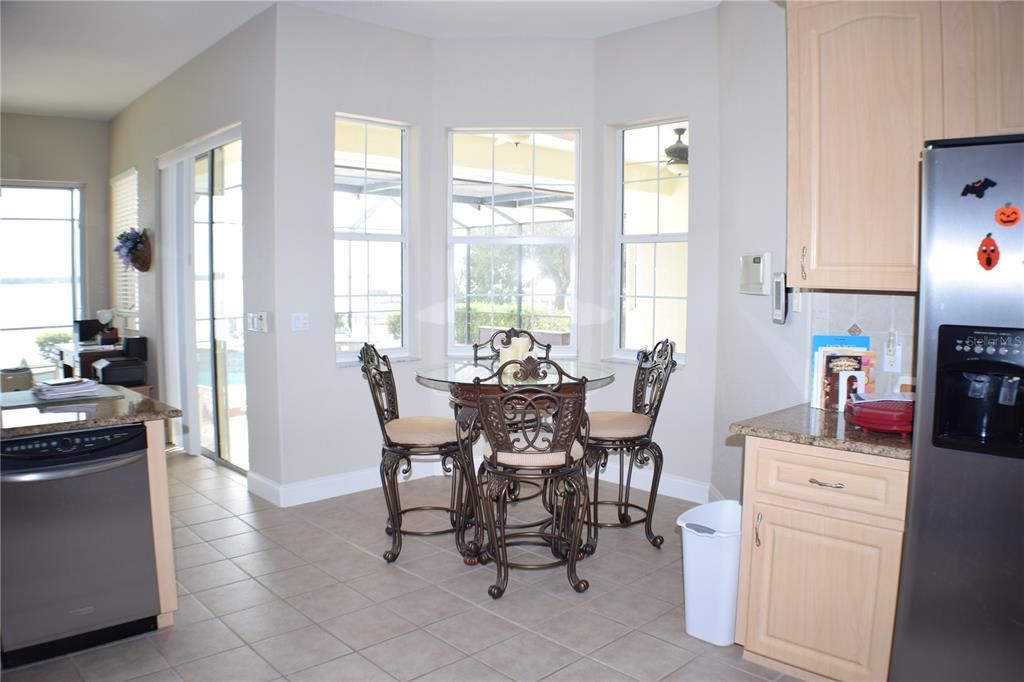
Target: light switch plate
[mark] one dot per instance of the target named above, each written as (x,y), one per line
(258,322)
(300,322)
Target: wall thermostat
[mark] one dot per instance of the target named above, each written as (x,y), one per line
(755,273)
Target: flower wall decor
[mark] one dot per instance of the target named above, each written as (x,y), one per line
(133,248)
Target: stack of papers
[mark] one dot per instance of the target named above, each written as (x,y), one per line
(62,389)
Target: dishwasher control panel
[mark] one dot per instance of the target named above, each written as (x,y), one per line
(72,446)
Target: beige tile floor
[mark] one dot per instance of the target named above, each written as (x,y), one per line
(303,594)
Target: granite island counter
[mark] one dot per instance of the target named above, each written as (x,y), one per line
(25,420)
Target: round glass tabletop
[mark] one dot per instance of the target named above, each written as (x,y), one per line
(462,372)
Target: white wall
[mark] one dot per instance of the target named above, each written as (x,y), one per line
(329,64)
(231,82)
(542,83)
(666,71)
(286,73)
(761,366)
(70,150)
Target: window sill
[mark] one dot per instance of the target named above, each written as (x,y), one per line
(345,362)
(680,359)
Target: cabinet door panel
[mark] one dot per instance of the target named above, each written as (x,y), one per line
(983,68)
(865,84)
(822,593)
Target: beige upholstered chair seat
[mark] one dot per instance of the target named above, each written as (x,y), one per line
(420,431)
(615,425)
(535,459)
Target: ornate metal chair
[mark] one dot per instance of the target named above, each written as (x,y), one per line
(629,434)
(503,339)
(535,432)
(489,350)
(404,439)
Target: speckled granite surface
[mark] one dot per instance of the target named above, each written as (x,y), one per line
(809,426)
(82,414)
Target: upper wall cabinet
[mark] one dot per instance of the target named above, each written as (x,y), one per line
(865,92)
(983,65)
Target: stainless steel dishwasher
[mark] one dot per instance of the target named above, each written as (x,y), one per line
(77,562)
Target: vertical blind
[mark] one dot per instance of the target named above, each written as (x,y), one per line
(124,215)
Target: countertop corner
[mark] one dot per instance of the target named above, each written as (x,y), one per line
(82,413)
(823,428)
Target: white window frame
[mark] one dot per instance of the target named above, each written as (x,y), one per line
(618,352)
(119,275)
(348,359)
(77,257)
(460,350)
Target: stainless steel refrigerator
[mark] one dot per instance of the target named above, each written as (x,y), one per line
(960,614)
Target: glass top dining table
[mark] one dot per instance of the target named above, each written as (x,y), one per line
(461,373)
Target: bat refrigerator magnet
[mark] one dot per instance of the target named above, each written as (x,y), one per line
(978,187)
(988,252)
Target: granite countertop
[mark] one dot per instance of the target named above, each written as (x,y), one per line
(824,428)
(82,413)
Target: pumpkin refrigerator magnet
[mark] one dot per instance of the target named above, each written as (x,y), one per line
(1007,215)
(988,252)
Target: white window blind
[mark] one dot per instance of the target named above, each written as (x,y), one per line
(124,215)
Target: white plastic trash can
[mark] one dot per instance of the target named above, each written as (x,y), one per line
(711,569)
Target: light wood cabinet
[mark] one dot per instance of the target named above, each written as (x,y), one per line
(865,92)
(983,66)
(822,542)
(868,84)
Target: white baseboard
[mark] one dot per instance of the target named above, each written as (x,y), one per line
(715,494)
(324,487)
(680,487)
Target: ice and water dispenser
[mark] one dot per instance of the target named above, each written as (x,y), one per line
(979,399)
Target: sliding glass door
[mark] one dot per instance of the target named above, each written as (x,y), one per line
(219,312)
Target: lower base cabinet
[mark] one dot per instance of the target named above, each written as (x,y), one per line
(818,577)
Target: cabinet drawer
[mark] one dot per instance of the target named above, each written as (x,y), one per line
(799,472)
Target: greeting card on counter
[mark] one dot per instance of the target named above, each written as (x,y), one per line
(824,345)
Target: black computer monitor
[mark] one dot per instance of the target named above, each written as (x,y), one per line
(86,330)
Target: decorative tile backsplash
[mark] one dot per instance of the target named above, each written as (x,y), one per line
(876,315)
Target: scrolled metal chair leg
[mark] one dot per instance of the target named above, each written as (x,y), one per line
(578,498)
(494,490)
(389,484)
(657,459)
(625,481)
(597,459)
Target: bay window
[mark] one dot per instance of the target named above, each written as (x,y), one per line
(370,236)
(512,235)
(651,241)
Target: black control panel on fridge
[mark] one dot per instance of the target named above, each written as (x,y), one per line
(979,399)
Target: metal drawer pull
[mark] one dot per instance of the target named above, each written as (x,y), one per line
(826,485)
(757,529)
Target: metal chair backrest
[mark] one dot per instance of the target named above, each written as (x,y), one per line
(654,367)
(522,416)
(378,374)
(503,339)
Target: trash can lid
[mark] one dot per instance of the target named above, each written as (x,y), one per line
(722,518)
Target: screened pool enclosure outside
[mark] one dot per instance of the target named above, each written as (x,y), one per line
(513,233)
